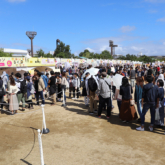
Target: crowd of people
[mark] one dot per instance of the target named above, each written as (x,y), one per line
(141,87)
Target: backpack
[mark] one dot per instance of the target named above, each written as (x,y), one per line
(109,71)
(32,90)
(45,80)
(7,76)
(23,87)
(92,84)
(2,92)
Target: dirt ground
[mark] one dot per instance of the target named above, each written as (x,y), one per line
(77,138)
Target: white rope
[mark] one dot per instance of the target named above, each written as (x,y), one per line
(40,147)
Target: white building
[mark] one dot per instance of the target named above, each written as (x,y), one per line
(16,52)
(51,52)
(139,54)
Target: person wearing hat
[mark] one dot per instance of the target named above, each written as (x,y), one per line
(104,94)
(28,94)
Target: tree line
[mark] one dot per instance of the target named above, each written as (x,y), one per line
(64,51)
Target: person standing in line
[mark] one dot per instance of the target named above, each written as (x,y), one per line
(91,84)
(150,97)
(13,103)
(76,86)
(47,88)
(104,93)
(160,84)
(41,88)
(28,94)
(22,89)
(158,69)
(2,93)
(70,86)
(58,83)
(63,86)
(132,77)
(127,111)
(84,93)
(138,95)
(46,71)
(4,79)
(52,83)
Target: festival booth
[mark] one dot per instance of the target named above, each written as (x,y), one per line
(23,64)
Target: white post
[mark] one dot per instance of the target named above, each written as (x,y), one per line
(63,96)
(43,114)
(40,147)
(45,130)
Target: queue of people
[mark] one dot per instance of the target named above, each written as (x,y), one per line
(141,87)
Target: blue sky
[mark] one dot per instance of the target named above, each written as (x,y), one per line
(135,25)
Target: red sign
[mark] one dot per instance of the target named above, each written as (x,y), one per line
(2,64)
(9,63)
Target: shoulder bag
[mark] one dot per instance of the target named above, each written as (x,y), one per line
(132,102)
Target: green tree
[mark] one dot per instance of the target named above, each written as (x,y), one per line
(3,54)
(40,53)
(106,55)
(62,51)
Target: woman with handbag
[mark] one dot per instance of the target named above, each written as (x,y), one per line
(127,111)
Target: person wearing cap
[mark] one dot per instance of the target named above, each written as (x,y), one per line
(104,94)
(28,97)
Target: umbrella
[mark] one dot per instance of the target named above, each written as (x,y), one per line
(67,65)
(92,71)
(117,80)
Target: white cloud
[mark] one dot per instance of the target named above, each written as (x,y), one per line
(108,4)
(152,11)
(161,20)
(155,1)
(16,1)
(127,44)
(125,29)
(91,50)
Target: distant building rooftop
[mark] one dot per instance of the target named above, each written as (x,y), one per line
(117,56)
(16,52)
